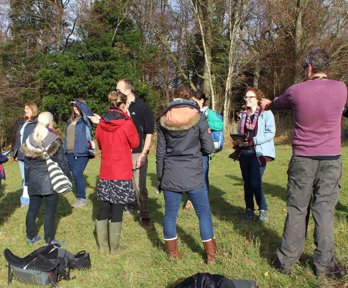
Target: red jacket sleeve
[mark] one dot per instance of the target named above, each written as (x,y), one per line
(132,134)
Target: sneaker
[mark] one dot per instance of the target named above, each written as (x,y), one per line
(79,203)
(249,214)
(263,216)
(35,240)
(24,201)
(146,224)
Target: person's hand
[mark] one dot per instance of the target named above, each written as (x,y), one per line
(236,143)
(141,161)
(15,159)
(265,103)
(248,143)
(95,118)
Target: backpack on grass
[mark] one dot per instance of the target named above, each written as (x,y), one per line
(46,265)
(216,126)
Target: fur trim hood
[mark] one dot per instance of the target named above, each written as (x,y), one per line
(180,115)
(39,153)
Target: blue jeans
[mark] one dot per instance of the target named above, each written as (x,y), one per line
(200,202)
(206,170)
(21,169)
(252,172)
(77,166)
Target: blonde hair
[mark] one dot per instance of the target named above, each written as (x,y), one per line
(116,98)
(43,120)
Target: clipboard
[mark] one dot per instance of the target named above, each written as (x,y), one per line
(237,137)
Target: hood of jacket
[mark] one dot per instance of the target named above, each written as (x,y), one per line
(113,120)
(180,115)
(33,149)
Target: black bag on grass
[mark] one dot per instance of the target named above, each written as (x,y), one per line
(207,280)
(45,265)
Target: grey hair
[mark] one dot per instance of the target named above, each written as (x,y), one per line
(319,59)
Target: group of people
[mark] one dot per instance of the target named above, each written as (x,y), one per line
(184,144)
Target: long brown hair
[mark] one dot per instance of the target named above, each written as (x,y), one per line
(73,114)
(34,109)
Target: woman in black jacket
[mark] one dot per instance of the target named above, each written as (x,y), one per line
(37,178)
(183,135)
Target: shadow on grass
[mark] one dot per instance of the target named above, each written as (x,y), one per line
(9,203)
(63,209)
(342,208)
(157,217)
(269,189)
(253,231)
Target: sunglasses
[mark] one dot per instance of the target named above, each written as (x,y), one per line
(249,97)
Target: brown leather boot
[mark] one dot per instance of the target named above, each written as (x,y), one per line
(172,249)
(211,250)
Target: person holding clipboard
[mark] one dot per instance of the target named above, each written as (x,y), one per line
(254,148)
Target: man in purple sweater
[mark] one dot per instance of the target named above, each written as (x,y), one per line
(315,167)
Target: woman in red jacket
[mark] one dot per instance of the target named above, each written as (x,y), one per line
(116,136)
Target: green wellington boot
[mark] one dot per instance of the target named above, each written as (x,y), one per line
(101,228)
(115,237)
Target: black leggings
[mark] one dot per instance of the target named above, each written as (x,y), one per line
(111,211)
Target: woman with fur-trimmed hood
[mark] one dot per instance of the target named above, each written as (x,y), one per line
(183,134)
(37,178)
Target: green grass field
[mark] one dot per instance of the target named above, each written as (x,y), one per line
(246,248)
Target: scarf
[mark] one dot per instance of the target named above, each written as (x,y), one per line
(246,120)
(44,145)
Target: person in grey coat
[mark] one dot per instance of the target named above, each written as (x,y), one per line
(183,134)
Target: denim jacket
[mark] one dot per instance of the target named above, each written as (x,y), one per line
(263,141)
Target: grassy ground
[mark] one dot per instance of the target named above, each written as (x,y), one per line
(246,248)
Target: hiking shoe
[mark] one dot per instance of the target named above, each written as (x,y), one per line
(146,224)
(79,203)
(249,214)
(34,240)
(263,217)
(338,271)
(278,266)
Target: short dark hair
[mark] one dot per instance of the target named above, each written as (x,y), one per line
(199,95)
(129,84)
(319,59)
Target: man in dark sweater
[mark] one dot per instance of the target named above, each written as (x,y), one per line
(315,167)
(143,119)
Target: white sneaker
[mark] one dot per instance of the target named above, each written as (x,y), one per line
(79,203)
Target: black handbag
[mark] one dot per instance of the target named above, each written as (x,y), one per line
(80,261)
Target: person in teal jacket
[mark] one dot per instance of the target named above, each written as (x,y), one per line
(257,128)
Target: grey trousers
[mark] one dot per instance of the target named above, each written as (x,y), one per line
(318,180)
(139,183)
